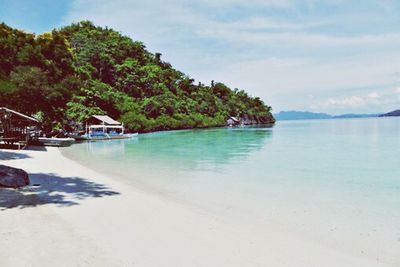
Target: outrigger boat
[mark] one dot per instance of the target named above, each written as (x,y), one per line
(103,128)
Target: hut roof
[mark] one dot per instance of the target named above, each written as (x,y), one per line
(17,116)
(106,119)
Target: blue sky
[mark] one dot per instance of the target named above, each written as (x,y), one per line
(335,56)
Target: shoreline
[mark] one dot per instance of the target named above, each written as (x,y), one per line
(78,217)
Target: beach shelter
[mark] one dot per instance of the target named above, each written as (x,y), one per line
(16,127)
(101,124)
(102,119)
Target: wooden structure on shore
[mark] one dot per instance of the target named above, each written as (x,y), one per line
(232,121)
(17,128)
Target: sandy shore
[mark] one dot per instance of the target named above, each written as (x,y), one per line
(77,217)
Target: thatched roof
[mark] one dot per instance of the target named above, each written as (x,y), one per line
(6,113)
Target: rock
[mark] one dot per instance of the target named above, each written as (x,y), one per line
(13,177)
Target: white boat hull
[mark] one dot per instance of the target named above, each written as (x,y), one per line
(55,141)
(87,137)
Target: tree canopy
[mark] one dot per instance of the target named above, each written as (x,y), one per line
(80,70)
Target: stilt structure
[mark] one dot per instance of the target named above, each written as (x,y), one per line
(17,128)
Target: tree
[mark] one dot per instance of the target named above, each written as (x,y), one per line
(31,89)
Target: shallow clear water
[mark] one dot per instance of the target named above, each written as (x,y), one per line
(339,180)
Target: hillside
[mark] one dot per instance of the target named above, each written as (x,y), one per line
(67,75)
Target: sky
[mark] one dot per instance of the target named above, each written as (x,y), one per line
(334,56)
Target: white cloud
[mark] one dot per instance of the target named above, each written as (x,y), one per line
(246,3)
(373,95)
(313,76)
(246,32)
(372,101)
(278,57)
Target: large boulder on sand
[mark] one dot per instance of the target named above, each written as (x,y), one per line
(13,177)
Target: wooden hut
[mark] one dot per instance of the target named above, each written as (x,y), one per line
(17,128)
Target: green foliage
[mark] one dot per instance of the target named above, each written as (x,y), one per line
(78,112)
(82,70)
(136,121)
(32,91)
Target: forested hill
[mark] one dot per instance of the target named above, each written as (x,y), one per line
(67,75)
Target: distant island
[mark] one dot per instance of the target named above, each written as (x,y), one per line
(306,115)
(391,114)
(63,77)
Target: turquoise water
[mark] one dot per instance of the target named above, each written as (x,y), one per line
(339,180)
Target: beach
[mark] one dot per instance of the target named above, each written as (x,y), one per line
(74,216)
(199,133)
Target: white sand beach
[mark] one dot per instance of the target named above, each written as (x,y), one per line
(77,217)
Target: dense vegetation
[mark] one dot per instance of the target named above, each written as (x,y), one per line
(67,75)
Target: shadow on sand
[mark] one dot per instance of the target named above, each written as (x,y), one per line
(36,148)
(8,155)
(52,189)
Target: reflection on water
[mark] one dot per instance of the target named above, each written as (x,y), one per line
(106,148)
(192,149)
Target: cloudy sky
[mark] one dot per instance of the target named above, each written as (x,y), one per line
(336,56)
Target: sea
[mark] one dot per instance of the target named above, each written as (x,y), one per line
(336,182)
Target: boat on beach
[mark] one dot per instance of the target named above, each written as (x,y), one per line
(54,141)
(101,127)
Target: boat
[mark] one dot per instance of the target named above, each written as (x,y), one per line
(54,141)
(93,135)
(101,127)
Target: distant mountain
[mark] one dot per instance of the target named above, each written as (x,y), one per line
(306,115)
(348,116)
(392,113)
(300,115)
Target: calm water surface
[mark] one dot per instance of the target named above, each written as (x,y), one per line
(339,177)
